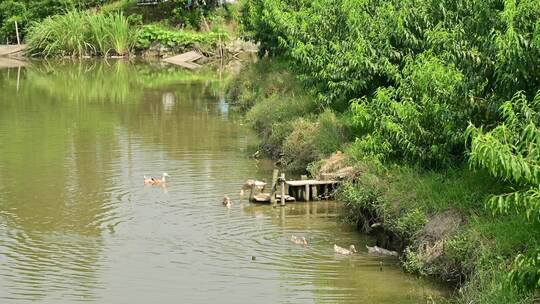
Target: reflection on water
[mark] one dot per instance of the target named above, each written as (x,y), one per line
(77,223)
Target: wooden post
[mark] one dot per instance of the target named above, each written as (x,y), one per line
(326,192)
(17,32)
(307,193)
(314,191)
(18,77)
(282,189)
(274,187)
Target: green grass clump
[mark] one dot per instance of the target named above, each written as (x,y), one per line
(273,118)
(80,34)
(286,115)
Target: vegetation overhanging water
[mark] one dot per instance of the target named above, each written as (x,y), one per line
(78,224)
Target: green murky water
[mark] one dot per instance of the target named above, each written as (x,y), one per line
(77,223)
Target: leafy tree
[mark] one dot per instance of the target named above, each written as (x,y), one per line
(511,152)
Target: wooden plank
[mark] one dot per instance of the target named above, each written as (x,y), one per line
(299,183)
(6,50)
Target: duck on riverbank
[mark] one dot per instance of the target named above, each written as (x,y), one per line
(341,250)
(299,240)
(149,180)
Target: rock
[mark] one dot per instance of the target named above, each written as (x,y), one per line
(157,50)
(381,251)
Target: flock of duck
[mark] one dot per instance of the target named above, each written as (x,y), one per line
(299,240)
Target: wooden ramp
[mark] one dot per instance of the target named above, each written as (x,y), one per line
(186,60)
(7,50)
(284,190)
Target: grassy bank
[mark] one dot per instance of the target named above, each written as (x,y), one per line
(437,104)
(437,219)
(122,28)
(291,125)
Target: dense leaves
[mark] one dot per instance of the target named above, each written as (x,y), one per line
(413,74)
(511,151)
(27,11)
(419,69)
(152,33)
(82,34)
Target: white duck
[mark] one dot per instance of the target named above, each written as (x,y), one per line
(299,240)
(344,251)
(148,180)
(227,201)
(381,251)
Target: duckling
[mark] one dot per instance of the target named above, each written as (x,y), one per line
(148,180)
(344,251)
(381,251)
(227,201)
(299,240)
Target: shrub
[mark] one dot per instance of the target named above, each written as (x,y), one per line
(418,121)
(510,152)
(179,39)
(82,34)
(299,146)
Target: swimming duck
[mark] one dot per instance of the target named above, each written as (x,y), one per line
(381,251)
(227,201)
(344,251)
(148,180)
(299,240)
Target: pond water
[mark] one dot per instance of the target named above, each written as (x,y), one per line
(77,223)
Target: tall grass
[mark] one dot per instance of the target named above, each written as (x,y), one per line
(80,34)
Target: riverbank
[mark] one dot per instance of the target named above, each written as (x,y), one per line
(436,219)
(125,29)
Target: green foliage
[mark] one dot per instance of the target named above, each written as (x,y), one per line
(418,121)
(186,14)
(525,273)
(410,223)
(273,118)
(180,39)
(299,145)
(27,11)
(409,76)
(415,71)
(82,34)
(511,151)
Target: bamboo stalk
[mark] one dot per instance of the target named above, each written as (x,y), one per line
(17,32)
